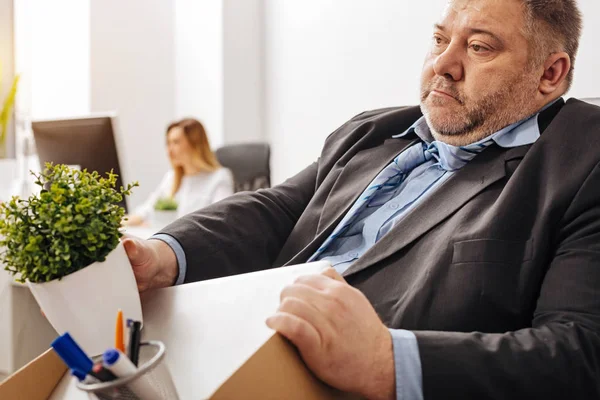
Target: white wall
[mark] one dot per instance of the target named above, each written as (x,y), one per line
(60,58)
(219,67)
(243,67)
(327,60)
(199,64)
(132,72)
(52,56)
(587,80)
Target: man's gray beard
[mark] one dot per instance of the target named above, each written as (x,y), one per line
(488,115)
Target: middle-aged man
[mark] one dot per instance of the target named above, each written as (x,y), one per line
(469,238)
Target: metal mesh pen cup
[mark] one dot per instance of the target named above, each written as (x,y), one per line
(153,374)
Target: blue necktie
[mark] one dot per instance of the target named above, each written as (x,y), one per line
(384,186)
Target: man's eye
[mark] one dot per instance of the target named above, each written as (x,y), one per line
(437,40)
(478,48)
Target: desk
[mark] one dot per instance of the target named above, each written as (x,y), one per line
(209,328)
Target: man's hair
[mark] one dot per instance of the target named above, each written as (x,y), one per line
(553,26)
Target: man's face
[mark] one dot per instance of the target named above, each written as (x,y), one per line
(476,78)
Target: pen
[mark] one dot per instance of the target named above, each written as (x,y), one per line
(118,363)
(134,341)
(119,345)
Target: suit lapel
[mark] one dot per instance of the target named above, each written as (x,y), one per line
(356,177)
(350,184)
(477,175)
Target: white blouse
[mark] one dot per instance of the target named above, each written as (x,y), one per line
(196,191)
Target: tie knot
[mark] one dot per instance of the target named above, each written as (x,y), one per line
(452,158)
(431,151)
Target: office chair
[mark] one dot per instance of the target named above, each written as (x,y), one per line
(249,163)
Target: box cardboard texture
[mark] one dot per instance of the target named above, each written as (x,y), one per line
(218,346)
(36,380)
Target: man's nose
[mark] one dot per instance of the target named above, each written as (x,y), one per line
(449,64)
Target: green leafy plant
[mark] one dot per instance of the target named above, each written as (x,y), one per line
(73,222)
(165,204)
(6,110)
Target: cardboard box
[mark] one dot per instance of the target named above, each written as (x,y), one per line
(218,346)
(36,380)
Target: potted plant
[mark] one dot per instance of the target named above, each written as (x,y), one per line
(65,243)
(165,212)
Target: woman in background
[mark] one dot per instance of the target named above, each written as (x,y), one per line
(196,179)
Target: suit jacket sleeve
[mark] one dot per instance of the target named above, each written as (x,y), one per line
(244,232)
(558,357)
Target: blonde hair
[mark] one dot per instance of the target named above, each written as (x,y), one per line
(195,134)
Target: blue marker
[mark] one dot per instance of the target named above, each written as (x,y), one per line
(78,374)
(72,354)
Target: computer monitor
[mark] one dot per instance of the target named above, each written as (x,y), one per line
(89,142)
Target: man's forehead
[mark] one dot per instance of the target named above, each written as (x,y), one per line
(501,13)
(457,6)
(477,5)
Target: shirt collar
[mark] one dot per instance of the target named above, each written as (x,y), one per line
(520,133)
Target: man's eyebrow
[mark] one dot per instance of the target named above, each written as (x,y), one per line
(484,32)
(472,31)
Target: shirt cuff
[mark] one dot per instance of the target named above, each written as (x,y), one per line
(179,253)
(409,380)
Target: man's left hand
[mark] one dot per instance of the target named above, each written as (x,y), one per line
(339,335)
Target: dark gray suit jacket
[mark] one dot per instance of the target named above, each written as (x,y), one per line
(497,273)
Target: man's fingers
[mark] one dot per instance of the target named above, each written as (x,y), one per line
(333,274)
(321,281)
(313,305)
(136,250)
(318,282)
(296,330)
(308,293)
(309,313)
(131,247)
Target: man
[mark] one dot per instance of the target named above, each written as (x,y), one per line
(469,238)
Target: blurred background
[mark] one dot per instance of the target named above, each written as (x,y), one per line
(286,72)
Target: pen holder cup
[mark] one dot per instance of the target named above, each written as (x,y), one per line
(152,381)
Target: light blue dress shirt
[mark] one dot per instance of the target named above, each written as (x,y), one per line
(370,223)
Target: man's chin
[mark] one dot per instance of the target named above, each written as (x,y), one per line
(445,123)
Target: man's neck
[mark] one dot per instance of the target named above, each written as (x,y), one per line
(482,132)
(464,139)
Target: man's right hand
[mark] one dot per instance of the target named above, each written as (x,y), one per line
(153,261)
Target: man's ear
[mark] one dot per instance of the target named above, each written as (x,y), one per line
(556,69)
